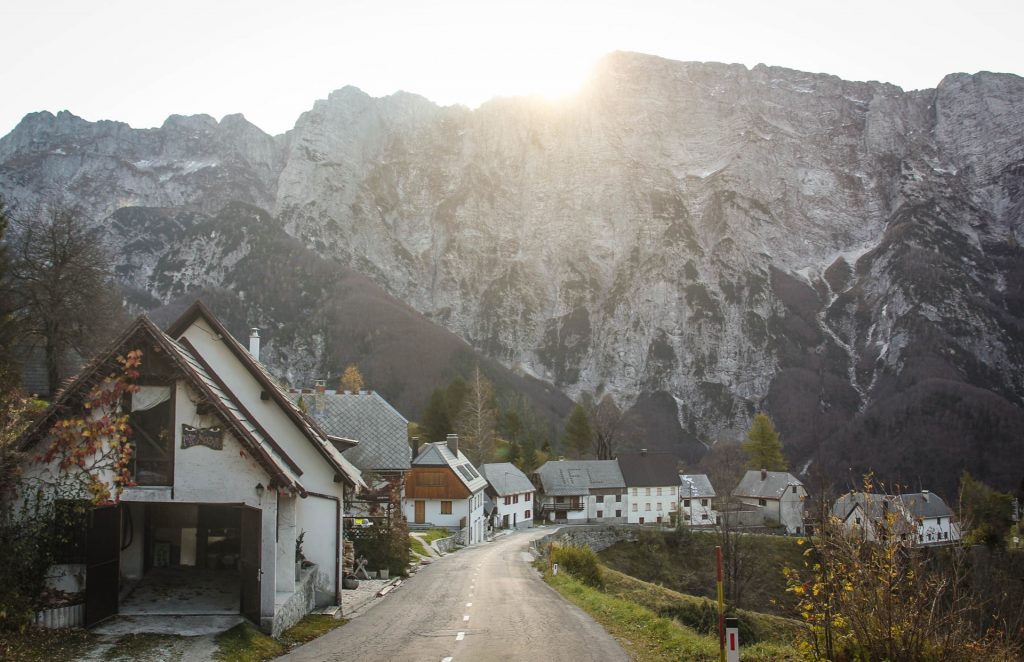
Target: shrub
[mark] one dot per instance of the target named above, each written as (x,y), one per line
(580,562)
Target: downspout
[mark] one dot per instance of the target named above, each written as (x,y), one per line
(337,542)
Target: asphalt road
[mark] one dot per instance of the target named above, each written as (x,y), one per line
(479,604)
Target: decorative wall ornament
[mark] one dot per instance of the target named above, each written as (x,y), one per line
(209,437)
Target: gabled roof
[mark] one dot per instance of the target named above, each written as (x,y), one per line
(438,455)
(506,478)
(772,485)
(696,486)
(576,477)
(915,505)
(382,432)
(320,440)
(644,469)
(282,469)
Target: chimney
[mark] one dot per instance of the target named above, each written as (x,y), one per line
(254,343)
(643,451)
(319,389)
(415,447)
(924,494)
(453,444)
(764,474)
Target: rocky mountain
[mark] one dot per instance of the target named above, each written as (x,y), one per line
(700,240)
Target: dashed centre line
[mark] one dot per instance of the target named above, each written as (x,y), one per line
(460,636)
(465,617)
(469,604)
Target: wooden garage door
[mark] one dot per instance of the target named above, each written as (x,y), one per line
(102,569)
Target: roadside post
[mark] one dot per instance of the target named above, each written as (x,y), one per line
(732,640)
(721,605)
(554,569)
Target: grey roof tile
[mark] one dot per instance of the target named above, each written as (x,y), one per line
(700,483)
(382,432)
(575,477)
(771,486)
(646,469)
(506,478)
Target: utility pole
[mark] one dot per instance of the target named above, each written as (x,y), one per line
(721,605)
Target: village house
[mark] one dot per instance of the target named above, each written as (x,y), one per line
(920,518)
(652,484)
(227,474)
(444,489)
(511,495)
(696,498)
(779,494)
(579,491)
(382,454)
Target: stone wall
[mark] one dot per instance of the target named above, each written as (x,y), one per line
(596,537)
(298,604)
(445,545)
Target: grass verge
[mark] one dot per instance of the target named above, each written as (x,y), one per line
(436,534)
(309,628)
(648,637)
(244,643)
(43,644)
(131,647)
(417,546)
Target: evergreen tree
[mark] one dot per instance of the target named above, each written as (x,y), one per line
(528,457)
(578,436)
(513,453)
(436,423)
(763,448)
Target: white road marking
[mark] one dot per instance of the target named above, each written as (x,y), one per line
(460,636)
(446,659)
(469,604)
(465,617)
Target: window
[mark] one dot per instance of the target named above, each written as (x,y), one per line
(686,503)
(671,505)
(600,514)
(559,499)
(705,516)
(857,520)
(641,520)
(508,500)
(634,508)
(647,507)
(152,435)
(703,502)
(659,491)
(618,498)
(527,514)
(659,506)
(600,498)
(446,507)
(529,497)
(674,491)
(647,491)
(618,513)
(794,489)
(515,499)
(633,491)
(762,502)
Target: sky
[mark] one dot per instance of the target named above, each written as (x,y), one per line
(138,61)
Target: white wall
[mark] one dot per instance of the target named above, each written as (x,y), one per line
(791,509)
(645,502)
(522,512)
(701,511)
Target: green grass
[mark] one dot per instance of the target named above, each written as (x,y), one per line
(648,637)
(37,644)
(436,534)
(684,561)
(416,546)
(309,628)
(244,643)
(698,613)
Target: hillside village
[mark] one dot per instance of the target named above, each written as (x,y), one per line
(304,491)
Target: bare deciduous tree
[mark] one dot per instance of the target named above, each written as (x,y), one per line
(62,285)
(477,419)
(605,422)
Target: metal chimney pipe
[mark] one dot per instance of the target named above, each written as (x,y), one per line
(254,343)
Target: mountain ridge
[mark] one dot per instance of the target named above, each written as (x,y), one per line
(674,228)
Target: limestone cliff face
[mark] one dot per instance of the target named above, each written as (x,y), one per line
(734,238)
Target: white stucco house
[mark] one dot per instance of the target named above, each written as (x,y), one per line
(696,500)
(579,491)
(227,474)
(652,484)
(511,495)
(444,489)
(920,518)
(780,495)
